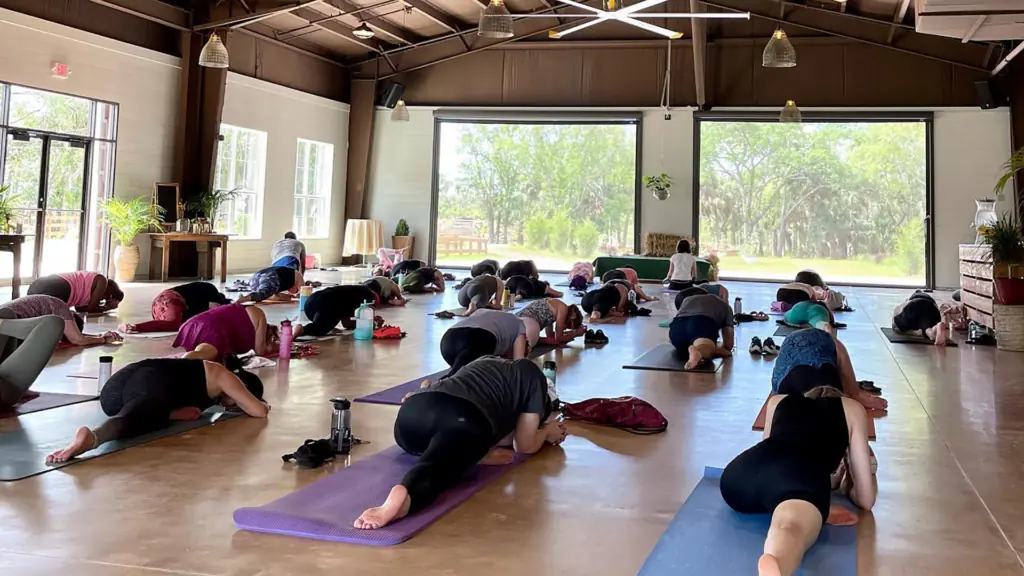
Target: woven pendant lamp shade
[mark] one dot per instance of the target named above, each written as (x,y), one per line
(400,113)
(214,54)
(495,21)
(790,113)
(779,52)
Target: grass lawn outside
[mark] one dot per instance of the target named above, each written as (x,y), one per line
(545,259)
(833,271)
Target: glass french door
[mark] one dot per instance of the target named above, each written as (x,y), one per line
(47,175)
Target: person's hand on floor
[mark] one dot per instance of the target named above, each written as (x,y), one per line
(872,402)
(555,432)
(112,338)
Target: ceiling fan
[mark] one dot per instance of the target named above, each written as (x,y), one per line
(615,11)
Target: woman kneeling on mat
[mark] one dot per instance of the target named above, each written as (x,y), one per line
(483,291)
(422,280)
(485,333)
(713,288)
(407,266)
(388,291)
(25,348)
(519,268)
(694,331)
(40,305)
(172,307)
(274,284)
(920,313)
(485,267)
(332,305)
(810,358)
(457,423)
(86,292)
(813,314)
(231,329)
(561,322)
(789,474)
(526,288)
(145,396)
(626,277)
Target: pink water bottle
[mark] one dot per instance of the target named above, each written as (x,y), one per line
(285,353)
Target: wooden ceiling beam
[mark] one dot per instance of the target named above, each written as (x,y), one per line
(700,46)
(165,14)
(337,29)
(444,19)
(244,20)
(376,21)
(897,19)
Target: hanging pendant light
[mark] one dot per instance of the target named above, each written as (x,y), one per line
(779,52)
(790,113)
(495,21)
(363,32)
(400,113)
(214,54)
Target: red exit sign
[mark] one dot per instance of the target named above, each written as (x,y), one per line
(61,70)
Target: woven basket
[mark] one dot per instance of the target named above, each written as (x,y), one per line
(1009,327)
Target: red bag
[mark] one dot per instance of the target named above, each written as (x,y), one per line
(627,413)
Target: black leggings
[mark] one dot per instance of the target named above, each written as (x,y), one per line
(449,434)
(770,473)
(405,267)
(55,286)
(792,296)
(920,314)
(140,401)
(460,346)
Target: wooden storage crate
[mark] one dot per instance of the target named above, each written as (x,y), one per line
(976,283)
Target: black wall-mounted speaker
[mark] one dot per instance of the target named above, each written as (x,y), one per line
(990,95)
(389,94)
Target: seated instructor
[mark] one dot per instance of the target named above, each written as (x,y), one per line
(276,284)
(485,333)
(172,307)
(459,422)
(146,396)
(86,292)
(289,252)
(695,329)
(789,474)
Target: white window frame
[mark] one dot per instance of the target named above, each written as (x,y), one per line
(323,182)
(229,208)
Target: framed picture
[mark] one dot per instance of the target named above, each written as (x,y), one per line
(167,195)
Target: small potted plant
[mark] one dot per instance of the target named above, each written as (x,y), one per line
(205,206)
(659,185)
(127,219)
(402,239)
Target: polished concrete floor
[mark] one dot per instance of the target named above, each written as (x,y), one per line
(950,452)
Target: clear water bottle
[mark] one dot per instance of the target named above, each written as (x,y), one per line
(364,322)
(341,425)
(304,293)
(550,370)
(106,369)
(285,351)
(737,306)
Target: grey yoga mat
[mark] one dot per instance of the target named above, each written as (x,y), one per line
(901,338)
(326,509)
(708,537)
(23,450)
(665,358)
(39,401)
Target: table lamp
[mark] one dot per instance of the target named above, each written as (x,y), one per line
(363,237)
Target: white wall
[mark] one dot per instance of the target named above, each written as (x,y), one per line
(970,145)
(287,115)
(144,83)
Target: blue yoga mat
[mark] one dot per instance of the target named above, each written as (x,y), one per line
(707,537)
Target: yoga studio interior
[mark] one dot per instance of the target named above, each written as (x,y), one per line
(547,287)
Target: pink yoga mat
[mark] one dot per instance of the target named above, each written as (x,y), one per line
(326,509)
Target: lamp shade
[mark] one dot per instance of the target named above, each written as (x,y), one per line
(779,53)
(400,113)
(214,54)
(363,237)
(495,21)
(790,113)
(363,31)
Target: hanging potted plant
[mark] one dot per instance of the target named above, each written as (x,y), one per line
(402,239)
(127,219)
(660,185)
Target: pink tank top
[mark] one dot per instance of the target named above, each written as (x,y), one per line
(81,286)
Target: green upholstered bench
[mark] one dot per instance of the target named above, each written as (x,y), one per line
(649,269)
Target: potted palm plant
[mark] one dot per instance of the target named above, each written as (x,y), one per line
(1006,240)
(127,219)
(206,205)
(402,239)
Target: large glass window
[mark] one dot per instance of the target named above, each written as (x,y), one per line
(241,168)
(314,170)
(555,193)
(847,199)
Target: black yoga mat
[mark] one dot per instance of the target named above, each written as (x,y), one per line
(666,359)
(23,449)
(900,338)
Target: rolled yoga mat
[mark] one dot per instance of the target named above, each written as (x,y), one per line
(762,417)
(326,509)
(665,358)
(395,394)
(901,338)
(39,401)
(23,450)
(708,537)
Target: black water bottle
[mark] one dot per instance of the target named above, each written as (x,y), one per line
(341,425)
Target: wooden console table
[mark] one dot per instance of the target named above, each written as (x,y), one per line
(160,251)
(12,243)
(976,283)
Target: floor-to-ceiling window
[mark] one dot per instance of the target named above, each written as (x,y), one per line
(845,196)
(552,191)
(56,162)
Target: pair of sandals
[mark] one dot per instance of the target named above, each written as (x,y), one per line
(595,338)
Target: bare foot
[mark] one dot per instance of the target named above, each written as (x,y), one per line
(841,516)
(84,441)
(768,565)
(694,360)
(127,328)
(498,457)
(394,508)
(941,334)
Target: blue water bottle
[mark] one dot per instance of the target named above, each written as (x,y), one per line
(304,293)
(364,322)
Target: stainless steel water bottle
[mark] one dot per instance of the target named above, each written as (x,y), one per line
(106,369)
(737,306)
(341,425)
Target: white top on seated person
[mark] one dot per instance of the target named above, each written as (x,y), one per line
(682,267)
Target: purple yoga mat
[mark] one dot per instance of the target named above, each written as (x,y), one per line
(326,509)
(395,394)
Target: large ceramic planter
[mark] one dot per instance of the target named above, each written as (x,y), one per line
(126,262)
(399,242)
(1009,284)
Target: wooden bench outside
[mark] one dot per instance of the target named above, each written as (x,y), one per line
(459,237)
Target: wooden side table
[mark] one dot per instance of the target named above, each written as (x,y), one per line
(160,248)
(12,243)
